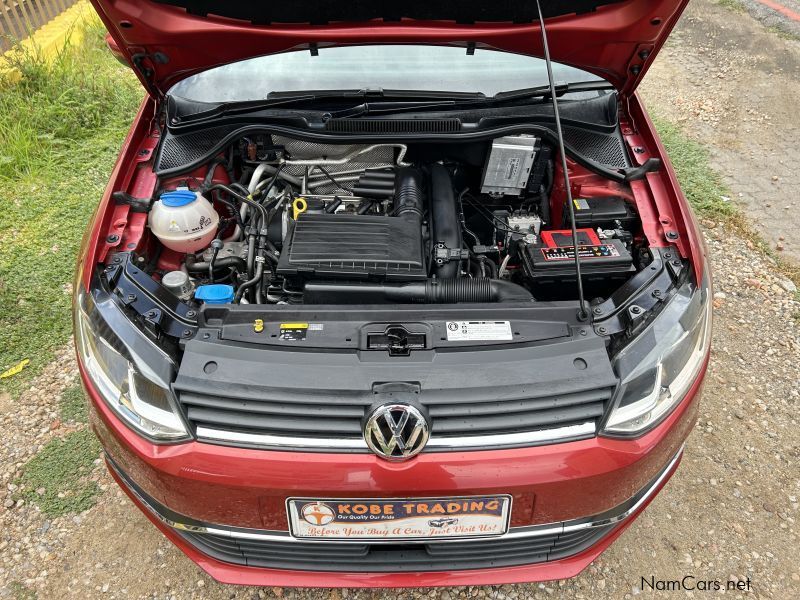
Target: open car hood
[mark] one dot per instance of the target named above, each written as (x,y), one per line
(169,40)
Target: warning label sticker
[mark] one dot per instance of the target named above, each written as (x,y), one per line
(581,204)
(296,332)
(478,331)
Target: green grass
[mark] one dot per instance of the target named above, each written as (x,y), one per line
(783,33)
(56,479)
(702,186)
(739,7)
(735,5)
(20,592)
(73,404)
(61,127)
(705,190)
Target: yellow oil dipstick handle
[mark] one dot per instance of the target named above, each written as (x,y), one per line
(299,206)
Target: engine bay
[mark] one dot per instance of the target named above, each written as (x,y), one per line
(277,220)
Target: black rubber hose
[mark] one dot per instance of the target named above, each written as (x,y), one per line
(331,208)
(365,207)
(201,266)
(250,282)
(262,232)
(211,170)
(410,192)
(372,192)
(272,181)
(432,291)
(332,180)
(547,188)
(476,270)
(251,253)
(385,175)
(242,198)
(490,266)
(234,210)
(216,244)
(370,182)
(444,219)
(453,291)
(480,266)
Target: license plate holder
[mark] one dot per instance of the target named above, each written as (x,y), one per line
(405,519)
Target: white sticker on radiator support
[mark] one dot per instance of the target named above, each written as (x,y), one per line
(479,331)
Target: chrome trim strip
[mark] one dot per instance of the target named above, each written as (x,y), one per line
(280,441)
(441,443)
(603,520)
(508,439)
(533,531)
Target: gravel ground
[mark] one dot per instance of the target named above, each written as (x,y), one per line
(768,12)
(728,514)
(734,86)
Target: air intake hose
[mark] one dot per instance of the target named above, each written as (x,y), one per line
(454,291)
(444,219)
(409,188)
(432,291)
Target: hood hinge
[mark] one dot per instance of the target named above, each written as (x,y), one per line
(145,63)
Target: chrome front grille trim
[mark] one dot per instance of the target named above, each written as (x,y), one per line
(279,442)
(611,517)
(482,442)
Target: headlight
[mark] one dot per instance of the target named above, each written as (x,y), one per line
(659,367)
(139,401)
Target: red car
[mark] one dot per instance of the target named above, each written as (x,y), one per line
(391,295)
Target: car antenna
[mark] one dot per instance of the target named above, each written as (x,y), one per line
(583,314)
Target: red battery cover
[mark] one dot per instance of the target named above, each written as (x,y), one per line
(561,238)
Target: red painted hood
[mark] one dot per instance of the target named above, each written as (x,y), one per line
(168,40)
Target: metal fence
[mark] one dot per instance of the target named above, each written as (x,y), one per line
(19,18)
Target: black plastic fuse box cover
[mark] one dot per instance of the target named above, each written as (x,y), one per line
(354,247)
(603,212)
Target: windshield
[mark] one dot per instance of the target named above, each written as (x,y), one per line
(390,67)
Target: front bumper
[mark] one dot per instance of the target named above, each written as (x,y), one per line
(588,491)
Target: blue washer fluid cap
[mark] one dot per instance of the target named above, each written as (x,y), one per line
(178,198)
(215,293)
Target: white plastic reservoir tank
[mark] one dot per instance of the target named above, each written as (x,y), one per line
(183,220)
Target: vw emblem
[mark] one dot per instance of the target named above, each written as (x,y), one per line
(396,431)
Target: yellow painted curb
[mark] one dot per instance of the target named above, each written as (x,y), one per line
(49,39)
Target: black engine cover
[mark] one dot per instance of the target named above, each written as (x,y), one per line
(354,247)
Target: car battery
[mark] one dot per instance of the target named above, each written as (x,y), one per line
(552,258)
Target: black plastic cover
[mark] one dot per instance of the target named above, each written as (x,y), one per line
(603,212)
(354,247)
(289,387)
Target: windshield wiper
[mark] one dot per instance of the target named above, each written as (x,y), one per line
(389,100)
(377,101)
(469,100)
(377,94)
(544,91)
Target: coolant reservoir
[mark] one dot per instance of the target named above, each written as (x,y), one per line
(183,220)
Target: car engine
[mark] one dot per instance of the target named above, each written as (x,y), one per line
(284,221)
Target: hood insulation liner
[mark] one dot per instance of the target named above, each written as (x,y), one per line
(321,13)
